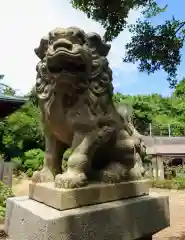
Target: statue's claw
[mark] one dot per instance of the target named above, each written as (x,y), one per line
(45,175)
(70,180)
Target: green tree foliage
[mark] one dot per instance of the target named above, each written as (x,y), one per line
(157,110)
(156,47)
(5,89)
(23,130)
(180,89)
(152,47)
(33,159)
(29,162)
(5,192)
(112,14)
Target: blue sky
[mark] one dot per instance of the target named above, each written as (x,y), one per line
(23,23)
(141,83)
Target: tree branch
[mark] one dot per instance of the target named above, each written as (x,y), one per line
(182,24)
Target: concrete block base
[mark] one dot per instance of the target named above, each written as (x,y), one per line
(63,199)
(127,219)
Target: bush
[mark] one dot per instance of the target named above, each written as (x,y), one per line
(31,161)
(31,164)
(5,192)
(175,183)
(2,214)
(29,172)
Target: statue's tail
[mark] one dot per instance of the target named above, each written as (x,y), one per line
(123,111)
(126,113)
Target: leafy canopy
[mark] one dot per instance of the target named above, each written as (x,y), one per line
(111,14)
(152,47)
(5,89)
(180,89)
(158,111)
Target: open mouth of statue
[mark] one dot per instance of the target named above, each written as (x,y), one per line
(57,65)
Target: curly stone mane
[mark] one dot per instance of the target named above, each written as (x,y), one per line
(101,77)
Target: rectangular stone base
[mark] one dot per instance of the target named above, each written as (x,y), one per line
(92,194)
(127,219)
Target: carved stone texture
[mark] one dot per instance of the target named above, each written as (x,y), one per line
(74,89)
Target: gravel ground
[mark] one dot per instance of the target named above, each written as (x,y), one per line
(177,215)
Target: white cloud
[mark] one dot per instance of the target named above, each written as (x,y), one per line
(118,47)
(25,22)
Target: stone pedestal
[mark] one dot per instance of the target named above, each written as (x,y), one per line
(63,199)
(129,219)
(122,211)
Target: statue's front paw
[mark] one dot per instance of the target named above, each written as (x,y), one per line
(70,180)
(45,175)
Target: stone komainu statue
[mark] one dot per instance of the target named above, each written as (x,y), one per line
(74,89)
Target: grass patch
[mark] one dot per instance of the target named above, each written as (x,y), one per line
(5,192)
(175,183)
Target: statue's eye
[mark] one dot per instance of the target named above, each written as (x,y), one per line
(51,38)
(50,41)
(81,37)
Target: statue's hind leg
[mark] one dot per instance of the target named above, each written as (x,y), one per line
(131,154)
(79,163)
(126,158)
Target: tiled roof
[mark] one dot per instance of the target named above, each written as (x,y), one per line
(166,149)
(9,104)
(149,141)
(165,145)
(6,98)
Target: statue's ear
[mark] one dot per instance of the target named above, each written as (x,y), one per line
(96,41)
(105,48)
(41,50)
